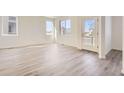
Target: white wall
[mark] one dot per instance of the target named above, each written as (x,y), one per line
(123,44)
(31,31)
(117,32)
(108,34)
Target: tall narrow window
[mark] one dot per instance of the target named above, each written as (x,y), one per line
(65,26)
(12,25)
(49,28)
(89,33)
(9,25)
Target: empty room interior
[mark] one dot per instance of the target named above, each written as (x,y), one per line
(61,46)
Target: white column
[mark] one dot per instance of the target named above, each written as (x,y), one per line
(102,37)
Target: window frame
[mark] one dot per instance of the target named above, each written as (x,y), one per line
(60,27)
(3,29)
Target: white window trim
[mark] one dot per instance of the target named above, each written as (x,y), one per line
(3,34)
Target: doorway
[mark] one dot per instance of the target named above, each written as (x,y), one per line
(90,33)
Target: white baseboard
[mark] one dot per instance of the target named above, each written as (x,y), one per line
(22,46)
(122,71)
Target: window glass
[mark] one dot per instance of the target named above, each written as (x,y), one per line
(12,18)
(89,25)
(49,27)
(12,28)
(68,24)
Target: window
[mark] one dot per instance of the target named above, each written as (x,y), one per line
(49,27)
(89,33)
(65,26)
(9,25)
(89,25)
